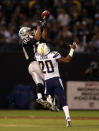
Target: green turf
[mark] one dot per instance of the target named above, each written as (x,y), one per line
(47,113)
(7,124)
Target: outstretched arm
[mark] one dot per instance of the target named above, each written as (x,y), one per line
(44,33)
(38,33)
(42,25)
(68,58)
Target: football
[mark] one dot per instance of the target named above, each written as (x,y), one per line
(45,14)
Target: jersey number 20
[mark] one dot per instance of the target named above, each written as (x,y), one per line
(48,64)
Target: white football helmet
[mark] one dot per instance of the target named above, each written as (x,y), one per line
(25,32)
(43,49)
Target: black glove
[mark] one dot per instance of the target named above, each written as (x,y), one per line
(42,23)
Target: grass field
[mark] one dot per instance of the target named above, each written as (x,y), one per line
(28,120)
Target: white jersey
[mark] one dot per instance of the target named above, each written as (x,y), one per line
(49,64)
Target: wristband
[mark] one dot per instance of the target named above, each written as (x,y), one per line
(71,52)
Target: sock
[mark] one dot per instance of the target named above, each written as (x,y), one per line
(66,111)
(39,95)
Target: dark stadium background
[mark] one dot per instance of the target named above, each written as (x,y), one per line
(70,20)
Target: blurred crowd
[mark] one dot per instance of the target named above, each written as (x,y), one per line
(70,20)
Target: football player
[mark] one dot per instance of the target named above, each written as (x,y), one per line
(49,65)
(29,38)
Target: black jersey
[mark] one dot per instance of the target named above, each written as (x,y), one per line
(28,45)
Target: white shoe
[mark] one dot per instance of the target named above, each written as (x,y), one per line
(49,103)
(55,108)
(69,124)
(49,99)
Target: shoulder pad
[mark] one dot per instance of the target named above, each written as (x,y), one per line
(56,54)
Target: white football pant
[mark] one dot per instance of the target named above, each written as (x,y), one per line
(36,72)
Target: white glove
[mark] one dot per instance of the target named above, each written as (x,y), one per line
(74,43)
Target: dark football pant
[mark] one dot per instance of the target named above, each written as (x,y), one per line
(54,86)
